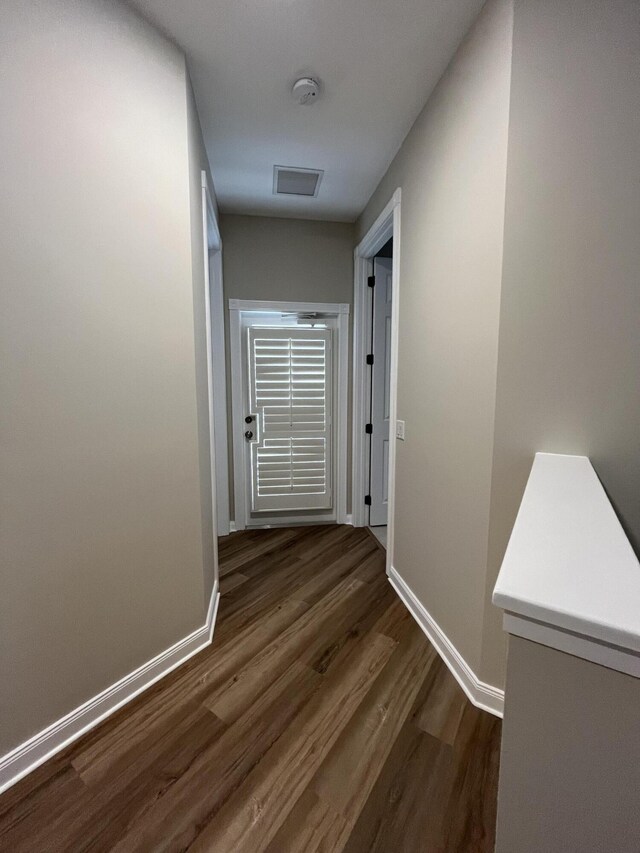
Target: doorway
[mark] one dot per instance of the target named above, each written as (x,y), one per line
(216,360)
(379,374)
(289,394)
(375,374)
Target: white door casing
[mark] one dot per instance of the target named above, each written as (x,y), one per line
(216,368)
(387,224)
(335,316)
(380,391)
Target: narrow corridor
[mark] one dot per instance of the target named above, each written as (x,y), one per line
(320,719)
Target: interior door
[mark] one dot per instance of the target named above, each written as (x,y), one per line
(289,418)
(380,387)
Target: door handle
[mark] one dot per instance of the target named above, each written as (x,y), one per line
(248,434)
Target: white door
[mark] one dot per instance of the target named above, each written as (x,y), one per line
(219,387)
(288,418)
(380,386)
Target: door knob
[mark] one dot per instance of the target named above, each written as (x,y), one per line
(248,419)
(248,434)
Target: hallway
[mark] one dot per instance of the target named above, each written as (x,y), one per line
(319,719)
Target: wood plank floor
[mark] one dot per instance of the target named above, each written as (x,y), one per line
(320,719)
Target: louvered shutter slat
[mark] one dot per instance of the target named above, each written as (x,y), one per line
(290,372)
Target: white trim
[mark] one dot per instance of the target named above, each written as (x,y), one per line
(386,225)
(289,307)
(212,234)
(343,405)
(482,695)
(42,746)
(348,519)
(361,343)
(339,310)
(237,414)
(269,522)
(216,362)
(381,230)
(207,210)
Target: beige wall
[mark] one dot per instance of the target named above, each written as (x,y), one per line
(298,260)
(569,366)
(100,501)
(570,762)
(452,171)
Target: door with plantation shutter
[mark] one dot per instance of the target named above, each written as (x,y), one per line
(290,399)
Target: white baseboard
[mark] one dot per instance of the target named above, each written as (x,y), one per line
(42,746)
(482,695)
(348,519)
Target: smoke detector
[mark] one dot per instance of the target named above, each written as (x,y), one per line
(306,90)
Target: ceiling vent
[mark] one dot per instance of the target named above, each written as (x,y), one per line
(288,180)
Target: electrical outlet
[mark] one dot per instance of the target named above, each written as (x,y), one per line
(400,430)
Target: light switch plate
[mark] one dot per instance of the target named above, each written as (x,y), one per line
(400,430)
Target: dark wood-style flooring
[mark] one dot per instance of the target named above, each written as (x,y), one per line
(320,719)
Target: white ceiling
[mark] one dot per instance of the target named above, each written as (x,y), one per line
(377,61)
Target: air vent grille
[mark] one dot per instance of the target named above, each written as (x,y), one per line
(288,180)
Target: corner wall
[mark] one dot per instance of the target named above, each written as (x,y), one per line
(570,760)
(100,501)
(452,171)
(569,363)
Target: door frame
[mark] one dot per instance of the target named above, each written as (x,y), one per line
(387,225)
(341,312)
(216,360)
(379,384)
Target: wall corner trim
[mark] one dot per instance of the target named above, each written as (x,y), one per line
(482,695)
(51,740)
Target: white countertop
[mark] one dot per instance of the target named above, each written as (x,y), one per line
(569,564)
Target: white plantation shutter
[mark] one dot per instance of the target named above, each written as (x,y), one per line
(290,391)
